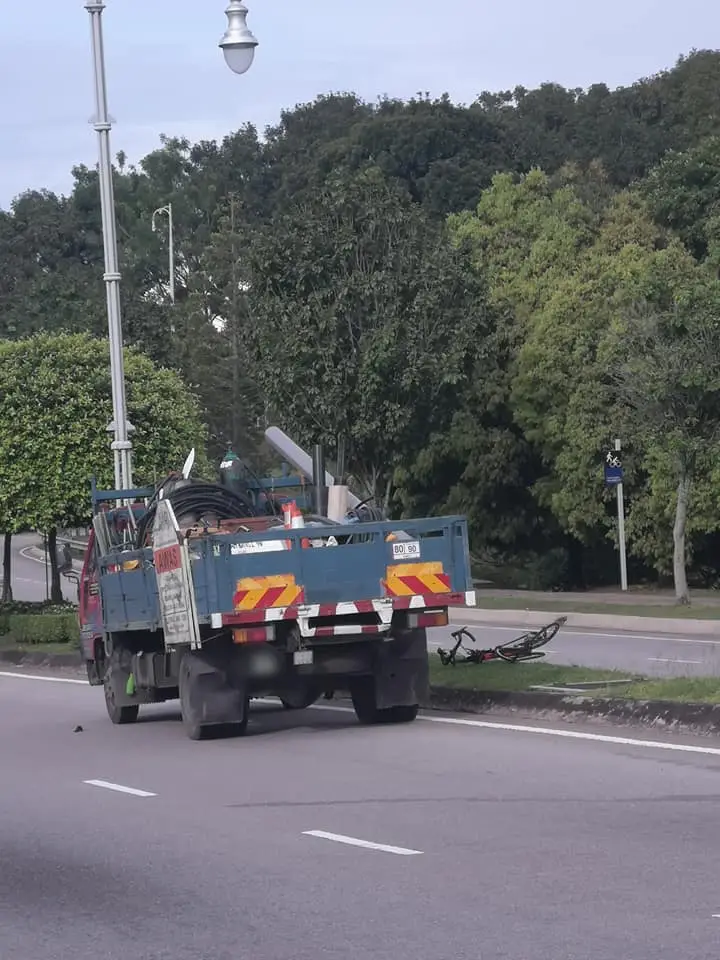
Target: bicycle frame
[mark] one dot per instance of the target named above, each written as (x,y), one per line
(520,649)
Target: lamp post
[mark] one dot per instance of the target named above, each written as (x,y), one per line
(171,246)
(238,44)
(121,445)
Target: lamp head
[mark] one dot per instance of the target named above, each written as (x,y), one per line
(238,43)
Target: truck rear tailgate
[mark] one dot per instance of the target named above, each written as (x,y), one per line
(273,570)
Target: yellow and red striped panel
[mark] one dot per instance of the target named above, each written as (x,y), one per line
(261,593)
(416,579)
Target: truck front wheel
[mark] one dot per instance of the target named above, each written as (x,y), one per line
(114,683)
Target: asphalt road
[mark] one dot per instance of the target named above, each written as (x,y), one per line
(28,571)
(509,844)
(644,654)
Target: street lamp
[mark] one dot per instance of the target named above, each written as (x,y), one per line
(238,43)
(171,245)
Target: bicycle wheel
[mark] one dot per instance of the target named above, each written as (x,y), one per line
(531,641)
(545,634)
(519,656)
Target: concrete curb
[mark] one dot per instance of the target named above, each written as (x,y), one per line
(40,658)
(667,714)
(523,619)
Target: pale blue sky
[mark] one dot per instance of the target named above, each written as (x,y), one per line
(167,75)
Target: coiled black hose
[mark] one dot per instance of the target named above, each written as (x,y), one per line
(196,502)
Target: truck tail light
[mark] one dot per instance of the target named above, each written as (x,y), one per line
(428,618)
(253,634)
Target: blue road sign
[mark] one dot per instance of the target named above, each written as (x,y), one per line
(613,469)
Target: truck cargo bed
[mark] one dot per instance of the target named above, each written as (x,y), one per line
(245,578)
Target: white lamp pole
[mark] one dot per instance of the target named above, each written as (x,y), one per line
(121,445)
(171,245)
(238,44)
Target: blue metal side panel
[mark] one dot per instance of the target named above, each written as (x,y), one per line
(130,597)
(348,572)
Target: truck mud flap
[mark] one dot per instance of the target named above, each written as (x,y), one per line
(210,705)
(402,671)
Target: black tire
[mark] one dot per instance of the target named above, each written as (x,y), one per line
(520,657)
(118,713)
(300,703)
(367,711)
(194,728)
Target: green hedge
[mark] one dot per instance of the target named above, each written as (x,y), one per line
(35,607)
(29,629)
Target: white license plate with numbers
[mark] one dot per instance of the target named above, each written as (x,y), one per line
(406,550)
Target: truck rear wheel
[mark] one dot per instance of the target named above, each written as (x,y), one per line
(367,711)
(299,699)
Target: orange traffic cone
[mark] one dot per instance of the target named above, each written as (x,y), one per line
(294,520)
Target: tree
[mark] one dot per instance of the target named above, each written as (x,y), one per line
(526,237)
(564,262)
(55,405)
(363,322)
(666,368)
(683,193)
(52,268)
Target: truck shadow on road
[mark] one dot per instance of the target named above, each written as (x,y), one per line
(265,718)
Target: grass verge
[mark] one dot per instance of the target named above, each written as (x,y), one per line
(38,629)
(678,689)
(500,677)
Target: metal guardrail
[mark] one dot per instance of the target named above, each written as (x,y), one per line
(77,547)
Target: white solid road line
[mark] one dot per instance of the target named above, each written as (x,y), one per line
(30,676)
(575,735)
(553,732)
(483,724)
(354,842)
(118,788)
(26,556)
(672,660)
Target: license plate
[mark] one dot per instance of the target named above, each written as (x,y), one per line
(406,550)
(302,657)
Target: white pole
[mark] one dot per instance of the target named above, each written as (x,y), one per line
(621,528)
(121,446)
(171,254)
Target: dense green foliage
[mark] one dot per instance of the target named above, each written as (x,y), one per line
(475,300)
(55,406)
(54,410)
(31,629)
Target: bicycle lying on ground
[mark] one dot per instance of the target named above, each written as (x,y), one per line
(520,649)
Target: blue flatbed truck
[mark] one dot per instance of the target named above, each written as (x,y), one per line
(215,613)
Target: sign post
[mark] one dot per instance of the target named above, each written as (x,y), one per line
(174,580)
(614,478)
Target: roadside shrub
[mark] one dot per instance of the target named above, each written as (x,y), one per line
(34,629)
(32,606)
